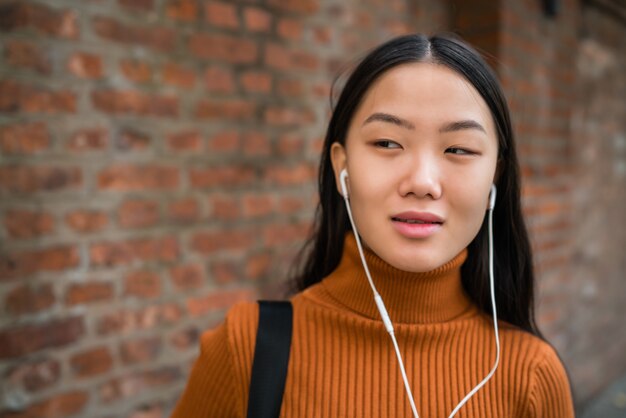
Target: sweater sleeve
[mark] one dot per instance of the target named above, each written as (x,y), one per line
(550,393)
(217,385)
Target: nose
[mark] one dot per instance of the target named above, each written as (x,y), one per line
(421,178)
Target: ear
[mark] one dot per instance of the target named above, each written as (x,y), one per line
(338,160)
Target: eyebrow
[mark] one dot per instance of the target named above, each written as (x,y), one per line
(460,125)
(386,117)
(448,127)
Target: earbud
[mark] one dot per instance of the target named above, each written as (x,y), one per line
(342,178)
(492,197)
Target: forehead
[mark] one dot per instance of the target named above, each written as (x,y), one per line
(427,94)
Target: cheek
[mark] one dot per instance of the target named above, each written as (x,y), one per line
(470,209)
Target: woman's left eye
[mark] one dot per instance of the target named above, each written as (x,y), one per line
(460,151)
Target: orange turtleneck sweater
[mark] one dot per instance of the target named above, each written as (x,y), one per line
(342,362)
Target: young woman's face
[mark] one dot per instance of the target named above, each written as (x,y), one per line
(421,147)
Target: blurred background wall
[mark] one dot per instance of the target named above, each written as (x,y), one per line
(158,162)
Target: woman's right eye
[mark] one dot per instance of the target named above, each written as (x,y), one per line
(386,143)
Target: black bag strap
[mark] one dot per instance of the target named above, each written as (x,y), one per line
(271,359)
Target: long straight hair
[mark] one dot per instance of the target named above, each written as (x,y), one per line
(513,268)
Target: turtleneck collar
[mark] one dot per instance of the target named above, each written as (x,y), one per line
(428,297)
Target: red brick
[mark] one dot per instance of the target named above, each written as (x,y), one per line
(233,109)
(185,339)
(91,362)
(395,28)
(185,141)
(130,178)
(59,406)
(224,207)
(184,210)
(131,101)
(299,174)
(138,213)
(230,175)
(321,90)
(18,97)
(219,80)
(256,144)
(137,5)
(207,243)
(278,115)
(30,179)
(142,284)
(256,81)
(288,205)
(224,272)
(157,38)
(34,375)
(257,205)
(85,65)
(90,292)
(89,139)
(221,14)
(257,266)
(289,145)
(290,88)
(187,277)
(225,141)
(24,263)
(27,299)
(290,29)
(25,54)
(86,220)
(135,70)
(132,140)
(128,322)
(120,253)
(24,224)
(257,20)
(281,58)
(21,340)
(295,6)
(233,50)
(43,19)
(281,234)
(179,76)
(140,350)
(24,138)
(323,35)
(140,382)
(218,300)
(185,10)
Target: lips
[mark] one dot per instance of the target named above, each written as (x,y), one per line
(412,217)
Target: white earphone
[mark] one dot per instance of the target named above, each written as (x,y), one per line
(342,178)
(387,320)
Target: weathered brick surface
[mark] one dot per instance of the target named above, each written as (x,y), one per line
(158,161)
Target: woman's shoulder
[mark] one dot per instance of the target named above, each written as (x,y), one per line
(526,344)
(538,369)
(239,324)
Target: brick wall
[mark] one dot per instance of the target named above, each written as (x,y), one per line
(158,161)
(594,296)
(563,77)
(158,165)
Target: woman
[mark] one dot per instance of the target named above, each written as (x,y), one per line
(418,144)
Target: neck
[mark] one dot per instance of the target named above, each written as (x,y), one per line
(428,297)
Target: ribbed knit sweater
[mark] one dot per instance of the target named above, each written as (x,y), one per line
(342,361)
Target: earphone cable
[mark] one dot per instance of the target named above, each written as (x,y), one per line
(389,325)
